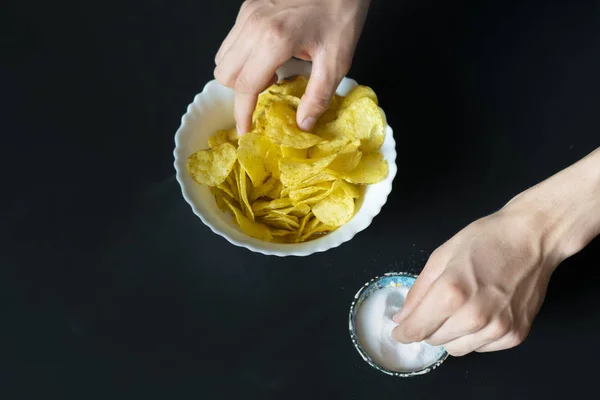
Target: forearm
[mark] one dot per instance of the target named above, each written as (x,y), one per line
(565,207)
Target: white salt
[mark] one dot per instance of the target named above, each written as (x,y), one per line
(374,327)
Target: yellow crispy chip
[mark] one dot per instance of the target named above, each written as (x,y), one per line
(346,162)
(275,193)
(291,152)
(300,231)
(233,185)
(294,171)
(311,194)
(272,160)
(220,137)
(371,169)
(211,167)
(332,111)
(293,86)
(225,188)
(243,190)
(250,228)
(358,92)
(313,228)
(252,148)
(336,209)
(282,129)
(350,189)
(279,221)
(354,122)
(218,195)
(262,190)
(265,205)
(375,141)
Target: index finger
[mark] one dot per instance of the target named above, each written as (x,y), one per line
(444,297)
(256,75)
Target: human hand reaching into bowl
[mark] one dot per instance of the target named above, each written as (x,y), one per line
(268,33)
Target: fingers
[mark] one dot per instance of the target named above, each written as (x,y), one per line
(444,297)
(432,270)
(327,72)
(508,341)
(471,318)
(497,335)
(247,9)
(257,73)
(229,40)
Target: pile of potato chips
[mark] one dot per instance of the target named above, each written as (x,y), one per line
(288,186)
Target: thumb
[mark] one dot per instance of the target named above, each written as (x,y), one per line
(322,84)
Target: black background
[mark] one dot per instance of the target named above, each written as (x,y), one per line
(112,288)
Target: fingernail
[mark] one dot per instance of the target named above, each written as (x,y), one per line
(308,123)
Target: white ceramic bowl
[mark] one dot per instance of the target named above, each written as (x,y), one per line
(212,109)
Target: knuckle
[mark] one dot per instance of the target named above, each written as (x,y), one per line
(412,334)
(500,327)
(455,351)
(254,19)
(478,319)
(276,31)
(223,77)
(456,295)
(515,338)
(244,85)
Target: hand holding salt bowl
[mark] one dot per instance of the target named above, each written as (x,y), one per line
(371,325)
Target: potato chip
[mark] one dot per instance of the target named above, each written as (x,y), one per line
(220,137)
(265,205)
(301,227)
(262,190)
(250,228)
(290,152)
(293,86)
(371,169)
(294,171)
(233,185)
(375,141)
(354,122)
(225,188)
(346,162)
(358,92)
(251,152)
(272,160)
(335,209)
(324,176)
(243,190)
(332,111)
(282,129)
(275,193)
(280,221)
(218,195)
(311,194)
(350,189)
(211,167)
(313,228)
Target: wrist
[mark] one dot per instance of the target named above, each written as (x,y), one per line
(564,210)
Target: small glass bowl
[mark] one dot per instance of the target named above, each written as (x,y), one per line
(379,282)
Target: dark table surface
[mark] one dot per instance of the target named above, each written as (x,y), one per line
(113,289)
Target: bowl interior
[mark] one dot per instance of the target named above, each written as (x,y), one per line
(212,110)
(387,280)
